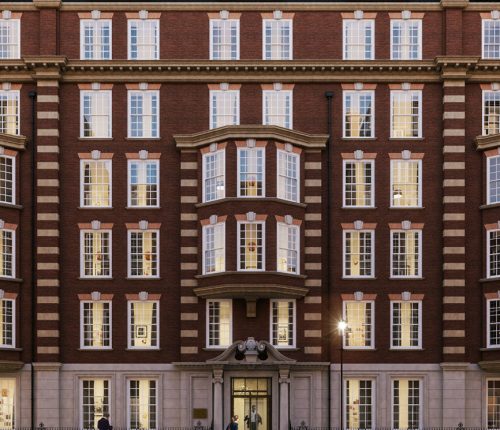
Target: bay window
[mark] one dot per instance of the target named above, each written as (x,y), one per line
(288,248)
(288,173)
(214,175)
(251,246)
(251,172)
(493,179)
(214,248)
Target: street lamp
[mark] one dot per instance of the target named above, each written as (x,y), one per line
(342,326)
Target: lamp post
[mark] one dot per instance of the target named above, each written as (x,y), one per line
(342,326)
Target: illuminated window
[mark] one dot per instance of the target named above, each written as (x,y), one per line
(251,246)
(224,108)
(358,253)
(142,404)
(493,179)
(7,179)
(406,324)
(277,108)
(359,183)
(143,325)
(493,316)
(251,172)
(95,111)
(95,39)
(143,113)
(96,253)
(143,253)
(358,407)
(95,183)
(491,112)
(95,401)
(406,404)
(406,249)
(143,183)
(8,403)
(10,38)
(493,253)
(288,176)
(406,41)
(9,112)
(288,248)
(491,38)
(143,39)
(359,113)
(406,114)
(219,323)
(406,184)
(214,248)
(283,323)
(278,36)
(95,324)
(358,39)
(214,175)
(224,39)
(359,316)
(7,323)
(7,254)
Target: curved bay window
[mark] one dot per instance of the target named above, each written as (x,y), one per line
(214,175)
(251,245)
(251,172)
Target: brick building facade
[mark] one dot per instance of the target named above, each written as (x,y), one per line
(194,195)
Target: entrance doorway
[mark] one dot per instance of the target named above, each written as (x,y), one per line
(251,397)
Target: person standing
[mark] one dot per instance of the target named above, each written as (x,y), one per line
(233,425)
(254,419)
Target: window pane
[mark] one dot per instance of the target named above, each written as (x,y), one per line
(288,248)
(142,404)
(7,323)
(277,39)
(96,114)
(491,39)
(214,245)
(358,114)
(143,253)
(95,401)
(358,39)
(96,321)
(219,322)
(288,174)
(9,38)
(358,404)
(251,170)
(494,323)
(406,39)
(494,253)
(225,39)
(282,323)
(251,248)
(405,183)
(358,316)
(9,112)
(358,253)
(7,253)
(7,403)
(143,183)
(405,114)
(143,39)
(405,253)
(143,113)
(96,39)
(143,324)
(491,111)
(358,182)
(96,183)
(214,175)
(7,179)
(406,403)
(405,324)
(225,107)
(278,108)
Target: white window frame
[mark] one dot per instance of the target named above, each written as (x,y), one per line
(109,93)
(239,224)
(297,250)
(344,254)
(373,399)
(129,334)
(80,383)
(13,323)
(82,184)
(238,156)
(484,92)
(18,37)
(158,404)
(82,324)
(488,182)
(14,398)
(129,183)
(129,41)
(221,153)
(372,328)
(420,114)
(420,399)
(14,253)
(488,324)
(419,255)
(129,253)
(221,225)
(82,253)
(129,114)
(344,112)
(279,177)
(14,94)
(13,159)
(420,182)
(488,253)
(346,22)
(265,121)
(264,45)
(294,323)
(95,23)
(419,346)
(230,22)
(207,322)
(372,184)
(483,28)
(406,22)
(230,94)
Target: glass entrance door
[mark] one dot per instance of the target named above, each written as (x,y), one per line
(251,401)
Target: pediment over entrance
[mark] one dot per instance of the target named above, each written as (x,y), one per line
(251,351)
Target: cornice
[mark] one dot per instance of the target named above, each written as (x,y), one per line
(487,142)
(10,366)
(232,132)
(251,291)
(490,365)
(13,142)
